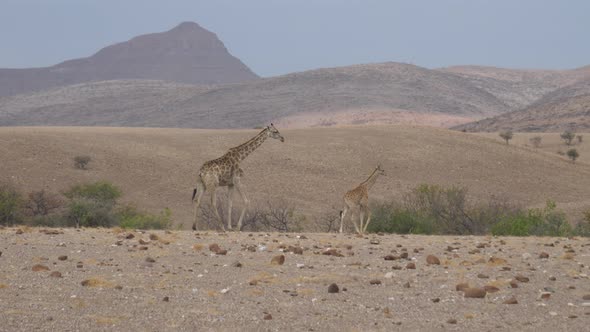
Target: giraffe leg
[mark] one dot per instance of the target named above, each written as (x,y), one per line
(368,220)
(352,220)
(200,190)
(342,215)
(361,216)
(230,191)
(214,207)
(246,203)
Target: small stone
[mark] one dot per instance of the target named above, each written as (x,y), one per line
(543,255)
(150,260)
(476,293)
(62,258)
(461,286)
(253,282)
(545,295)
(154,237)
(214,247)
(333,288)
(407,284)
(491,289)
(586,297)
(513,284)
(79,265)
(144,242)
(390,258)
(236,264)
(267,317)
(432,260)
(19,231)
(374,241)
(388,275)
(332,252)
(222,252)
(166,299)
(552,278)
(39,268)
(526,256)
(452,321)
(435,300)
(511,300)
(411,266)
(572,316)
(482,276)
(404,255)
(278,260)
(521,278)
(55,274)
(129,236)
(375,282)
(118,287)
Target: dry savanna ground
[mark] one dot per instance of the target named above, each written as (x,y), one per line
(108,279)
(156,168)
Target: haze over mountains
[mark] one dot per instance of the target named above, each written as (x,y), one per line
(186,78)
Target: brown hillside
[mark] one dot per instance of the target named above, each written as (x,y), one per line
(156,168)
(187,53)
(562,109)
(519,87)
(372,90)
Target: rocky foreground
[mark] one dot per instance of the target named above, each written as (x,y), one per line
(110,279)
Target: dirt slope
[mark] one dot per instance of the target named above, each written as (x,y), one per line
(156,168)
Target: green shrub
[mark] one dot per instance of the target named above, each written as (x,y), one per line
(130,217)
(389,219)
(10,205)
(538,222)
(90,213)
(101,191)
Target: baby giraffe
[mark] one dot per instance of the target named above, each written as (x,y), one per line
(359,197)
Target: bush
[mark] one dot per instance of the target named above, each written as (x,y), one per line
(568,137)
(41,203)
(387,218)
(539,222)
(573,154)
(536,141)
(101,191)
(80,162)
(506,135)
(130,217)
(10,205)
(83,212)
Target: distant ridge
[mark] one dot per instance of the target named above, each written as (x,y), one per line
(187,53)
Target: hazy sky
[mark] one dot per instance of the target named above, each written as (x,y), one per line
(280,36)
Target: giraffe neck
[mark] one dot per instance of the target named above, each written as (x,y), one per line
(371,180)
(243,150)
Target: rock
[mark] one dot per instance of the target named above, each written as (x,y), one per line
(19,231)
(296,250)
(253,282)
(267,317)
(333,288)
(513,284)
(396,267)
(435,300)
(411,266)
(521,278)
(222,252)
(404,255)
(511,300)
(572,316)
(388,275)
(495,261)
(214,247)
(552,278)
(150,260)
(491,289)
(62,258)
(432,260)
(166,299)
(300,265)
(545,295)
(461,286)
(278,260)
(543,255)
(236,264)
(332,252)
(129,236)
(39,268)
(475,293)
(374,241)
(154,237)
(79,265)
(482,276)
(390,258)
(55,274)
(526,256)
(375,282)
(586,297)
(144,242)
(407,284)
(452,321)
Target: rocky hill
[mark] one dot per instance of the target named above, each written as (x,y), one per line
(187,53)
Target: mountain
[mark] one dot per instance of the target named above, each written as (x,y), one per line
(359,94)
(567,108)
(187,53)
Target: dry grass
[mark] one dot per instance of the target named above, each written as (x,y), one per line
(156,168)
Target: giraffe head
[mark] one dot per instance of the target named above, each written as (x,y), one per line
(274,133)
(380,170)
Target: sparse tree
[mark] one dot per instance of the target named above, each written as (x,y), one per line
(580,138)
(506,135)
(568,136)
(536,141)
(41,203)
(80,162)
(573,154)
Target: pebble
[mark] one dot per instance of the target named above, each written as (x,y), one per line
(586,297)
(150,260)
(411,266)
(278,260)
(390,258)
(375,282)
(521,278)
(166,299)
(333,288)
(491,289)
(482,276)
(461,286)
(39,267)
(476,293)
(511,300)
(267,317)
(55,274)
(432,260)
(452,321)
(236,264)
(388,275)
(543,255)
(62,258)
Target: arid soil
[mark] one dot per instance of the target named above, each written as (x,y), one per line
(104,279)
(312,169)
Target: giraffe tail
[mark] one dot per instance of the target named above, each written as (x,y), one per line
(194,193)
(341,214)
